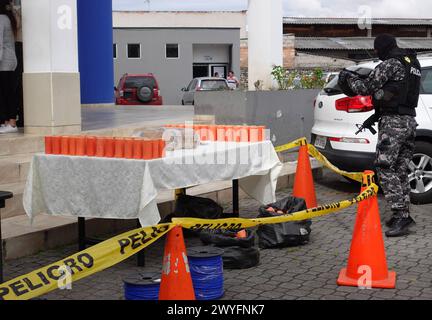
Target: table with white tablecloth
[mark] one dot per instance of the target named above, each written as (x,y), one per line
(114,188)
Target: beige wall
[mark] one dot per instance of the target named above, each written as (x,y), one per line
(212,19)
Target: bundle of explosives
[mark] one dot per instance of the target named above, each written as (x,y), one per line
(276,210)
(238,245)
(291,233)
(227,133)
(107,147)
(177,139)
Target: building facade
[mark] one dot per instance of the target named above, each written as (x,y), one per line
(176,55)
(182,19)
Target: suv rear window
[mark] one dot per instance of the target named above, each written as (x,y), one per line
(214,85)
(332,88)
(426,82)
(138,82)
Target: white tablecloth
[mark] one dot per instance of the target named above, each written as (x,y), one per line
(127,189)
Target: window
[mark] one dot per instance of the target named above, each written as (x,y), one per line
(214,85)
(137,82)
(172,51)
(188,88)
(134,50)
(192,85)
(426,82)
(115,50)
(332,87)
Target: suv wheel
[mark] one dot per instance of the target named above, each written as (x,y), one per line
(420,175)
(144,94)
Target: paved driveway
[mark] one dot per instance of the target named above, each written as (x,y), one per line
(307,272)
(94,118)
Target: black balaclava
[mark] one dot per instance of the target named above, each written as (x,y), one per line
(383,44)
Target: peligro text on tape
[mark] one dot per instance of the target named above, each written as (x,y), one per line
(121,247)
(240,223)
(82,264)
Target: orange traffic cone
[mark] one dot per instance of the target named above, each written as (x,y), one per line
(176,281)
(303,182)
(367,266)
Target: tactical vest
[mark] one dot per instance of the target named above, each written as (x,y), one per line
(401,97)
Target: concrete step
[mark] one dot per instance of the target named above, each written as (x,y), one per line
(47,232)
(19,143)
(14,206)
(14,169)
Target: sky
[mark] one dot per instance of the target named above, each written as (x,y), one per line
(296,8)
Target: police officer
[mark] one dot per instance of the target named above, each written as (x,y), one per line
(394,86)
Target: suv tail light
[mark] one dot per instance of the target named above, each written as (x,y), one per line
(355,104)
(156,93)
(198,89)
(121,93)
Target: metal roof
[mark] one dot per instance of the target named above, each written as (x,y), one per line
(357,43)
(355,21)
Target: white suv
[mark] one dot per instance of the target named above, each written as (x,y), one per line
(337,118)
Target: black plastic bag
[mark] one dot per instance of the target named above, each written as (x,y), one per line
(197,207)
(226,238)
(194,207)
(240,258)
(292,233)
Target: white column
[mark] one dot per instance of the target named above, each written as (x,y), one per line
(265,41)
(51,79)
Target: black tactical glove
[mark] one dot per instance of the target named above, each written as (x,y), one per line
(344,75)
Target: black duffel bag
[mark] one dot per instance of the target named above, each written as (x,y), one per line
(287,234)
(240,258)
(227,238)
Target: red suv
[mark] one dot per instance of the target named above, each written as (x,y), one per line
(138,89)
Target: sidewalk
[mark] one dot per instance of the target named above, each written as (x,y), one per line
(307,272)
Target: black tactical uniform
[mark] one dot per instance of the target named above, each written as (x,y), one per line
(394,85)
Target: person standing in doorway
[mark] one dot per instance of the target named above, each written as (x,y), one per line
(233,82)
(8,64)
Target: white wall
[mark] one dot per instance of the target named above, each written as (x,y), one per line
(211,53)
(265,40)
(212,19)
(50,36)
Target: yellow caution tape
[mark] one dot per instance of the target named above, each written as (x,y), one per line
(121,247)
(239,223)
(292,145)
(81,264)
(357,176)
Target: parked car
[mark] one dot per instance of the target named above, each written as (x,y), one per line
(139,89)
(337,118)
(202,84)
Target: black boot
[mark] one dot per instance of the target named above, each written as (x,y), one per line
(400,227)
(389,222)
